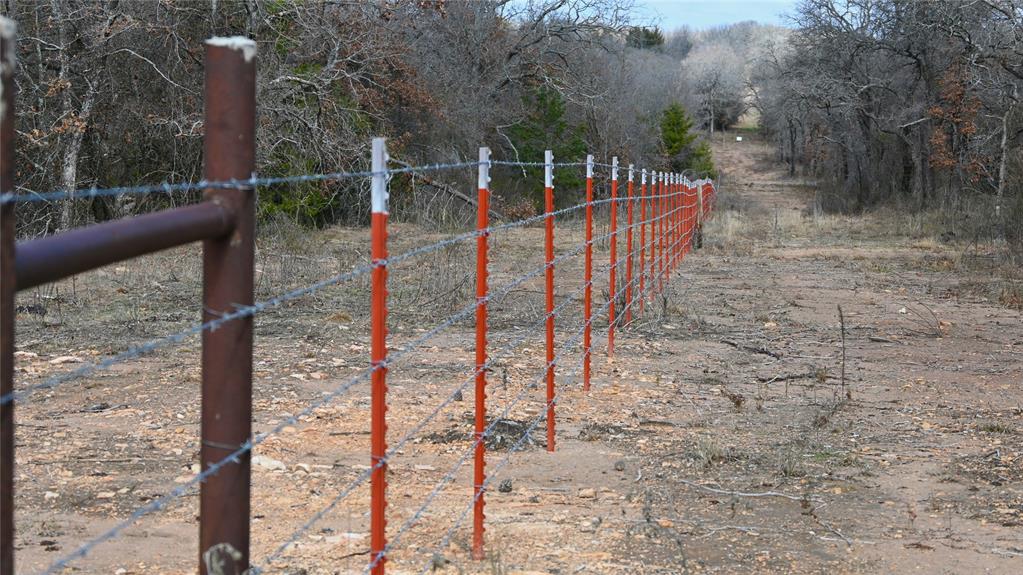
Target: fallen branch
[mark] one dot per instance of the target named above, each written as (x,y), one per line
(644,421)
(450,190)
(752,349)
(747,494)
(789,377)
(831,529)
(748,530)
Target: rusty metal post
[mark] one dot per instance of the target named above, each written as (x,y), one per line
(230,153)
(7,291)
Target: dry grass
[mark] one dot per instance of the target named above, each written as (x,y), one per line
(888,240)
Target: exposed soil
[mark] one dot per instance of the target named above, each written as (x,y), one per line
(736,430)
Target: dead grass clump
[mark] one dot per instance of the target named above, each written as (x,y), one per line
(737,399)
(995,427)
(601,432)
(504,433)
(726,227)
(708,453)
(790,464)
(1011,296)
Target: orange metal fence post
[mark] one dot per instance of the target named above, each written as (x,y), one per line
(696,213)
(669,218)
(642,240)
(669,222)
(628,248)
(655,228)
(548,195)
(378,357)
(482,226)
(663,225)
(588,276)
(700,213)
(680,192)
(669,213)
(689,221)
(614,258)
(652,231)
(694,218)
(680,220)
(673,223)
(685,221)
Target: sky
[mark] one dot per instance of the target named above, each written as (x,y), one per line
(700,14)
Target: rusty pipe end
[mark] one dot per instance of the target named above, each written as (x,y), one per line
(247,46)
(8,32)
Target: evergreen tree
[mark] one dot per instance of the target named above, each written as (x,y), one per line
(546,128)
(679,144)
(645,38)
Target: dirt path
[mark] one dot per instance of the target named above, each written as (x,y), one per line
(723,438)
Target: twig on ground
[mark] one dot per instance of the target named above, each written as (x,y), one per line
(841,325)
(801,498)
(831,529)
(752,349)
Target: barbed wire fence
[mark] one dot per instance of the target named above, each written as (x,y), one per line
(671,209)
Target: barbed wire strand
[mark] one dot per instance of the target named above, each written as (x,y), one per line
(409,435)
(248,445)
(447,478)
(451,397)
(253,182)
(246,311)
(445,540)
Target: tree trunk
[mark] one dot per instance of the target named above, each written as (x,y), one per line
(1004,150)
(792,148)
(69,171)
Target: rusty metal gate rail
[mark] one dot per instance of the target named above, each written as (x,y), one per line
(224,221)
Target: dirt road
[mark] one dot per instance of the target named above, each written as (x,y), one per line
(814,394)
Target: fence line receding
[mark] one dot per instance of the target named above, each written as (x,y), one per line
(668,211)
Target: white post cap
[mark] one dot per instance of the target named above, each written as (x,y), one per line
(378,182)
(484,168)
(548,169)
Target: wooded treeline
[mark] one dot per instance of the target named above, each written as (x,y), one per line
(111,94)
(905,102)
